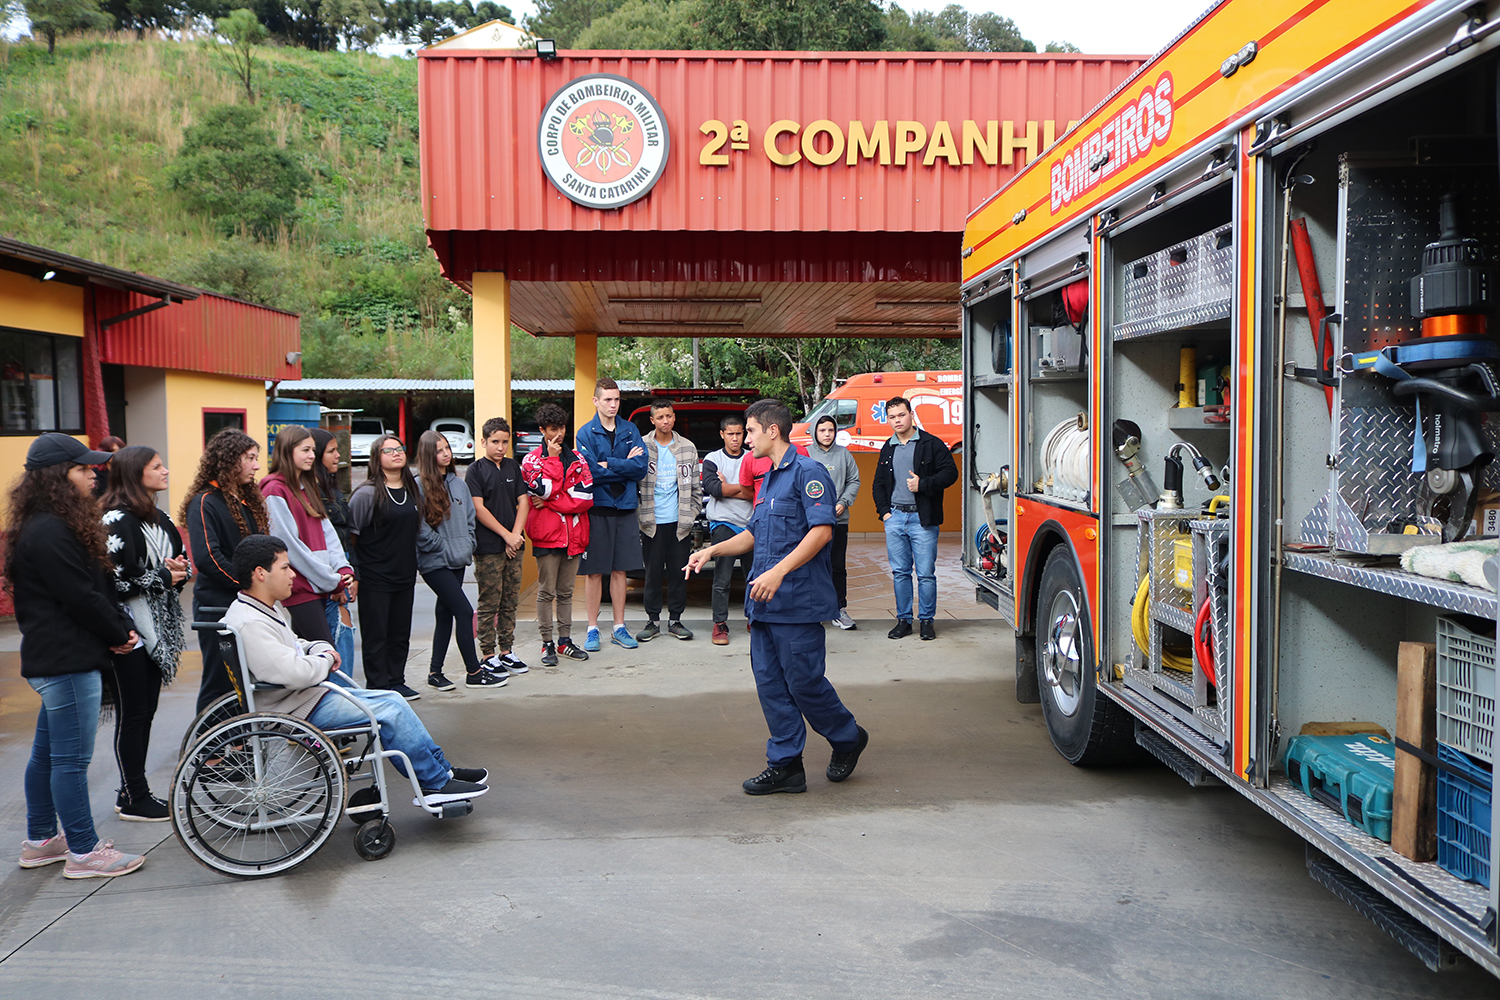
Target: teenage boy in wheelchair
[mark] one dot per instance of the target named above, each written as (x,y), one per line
(272,654)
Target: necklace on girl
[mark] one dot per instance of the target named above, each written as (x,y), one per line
(392,494)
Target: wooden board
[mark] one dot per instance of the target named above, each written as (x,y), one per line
(1414,811)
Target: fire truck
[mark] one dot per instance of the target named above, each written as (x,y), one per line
(1229,370)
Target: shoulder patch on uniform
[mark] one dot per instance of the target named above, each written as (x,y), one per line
(814,488)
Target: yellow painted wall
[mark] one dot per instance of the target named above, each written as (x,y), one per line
(491,348)
(45,306)
(862,517)
(188,393)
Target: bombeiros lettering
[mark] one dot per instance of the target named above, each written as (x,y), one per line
(1134,130)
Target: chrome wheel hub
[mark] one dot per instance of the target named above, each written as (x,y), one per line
(1062,654)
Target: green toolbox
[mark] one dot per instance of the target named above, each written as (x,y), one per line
(1355,775)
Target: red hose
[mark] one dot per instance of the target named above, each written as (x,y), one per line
(1203,642)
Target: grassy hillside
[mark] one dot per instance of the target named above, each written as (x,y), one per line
(85,147)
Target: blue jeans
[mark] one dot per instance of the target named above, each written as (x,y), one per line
(343,635)
(57,776)
(400,729)
(788,662)
(908,543)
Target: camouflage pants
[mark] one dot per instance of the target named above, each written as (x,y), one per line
(499,579)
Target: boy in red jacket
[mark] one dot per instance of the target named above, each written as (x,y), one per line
(562,491)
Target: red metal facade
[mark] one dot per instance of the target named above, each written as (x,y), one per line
(212,334)
(481,169)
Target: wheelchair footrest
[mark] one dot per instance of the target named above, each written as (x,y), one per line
(457,810)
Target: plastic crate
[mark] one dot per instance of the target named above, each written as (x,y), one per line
(1466,685)
(1463,828)
(1355,775)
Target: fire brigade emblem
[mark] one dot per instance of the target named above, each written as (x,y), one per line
(814,488)
(603,141)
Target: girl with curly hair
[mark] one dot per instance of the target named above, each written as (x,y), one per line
(150,571)
(57,569)
(223,506)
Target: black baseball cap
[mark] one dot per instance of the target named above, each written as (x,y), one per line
(55,449)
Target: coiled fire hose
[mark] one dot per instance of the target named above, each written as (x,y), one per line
(1140,627)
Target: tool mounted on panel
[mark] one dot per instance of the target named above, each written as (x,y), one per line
(1171,494)
(1452,370)
(1137,489)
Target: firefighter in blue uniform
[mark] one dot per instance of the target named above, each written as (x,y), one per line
(788,598)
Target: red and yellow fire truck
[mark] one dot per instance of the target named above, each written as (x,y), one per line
(1229,365)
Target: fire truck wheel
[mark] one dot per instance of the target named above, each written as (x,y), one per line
(1086,728)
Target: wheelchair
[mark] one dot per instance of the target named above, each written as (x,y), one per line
(257,793)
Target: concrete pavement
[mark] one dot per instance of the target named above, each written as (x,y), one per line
(617,857)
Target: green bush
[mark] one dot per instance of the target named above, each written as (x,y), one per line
(231,167)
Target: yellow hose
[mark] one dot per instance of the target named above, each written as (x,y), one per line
(1140,627)
(1213,505)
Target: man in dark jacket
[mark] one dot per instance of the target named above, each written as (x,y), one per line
(616,455)
(913,470)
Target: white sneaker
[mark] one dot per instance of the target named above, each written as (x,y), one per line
(843,621)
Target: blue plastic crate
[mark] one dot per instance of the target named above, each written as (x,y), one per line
(1463,828)
(1355,775)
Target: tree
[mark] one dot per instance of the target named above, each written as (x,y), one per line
(993,33)
(62,17)
(1061,47)
(231,167)
(242,33)
(141,16)
(811,25)
(564,20)
(643,24)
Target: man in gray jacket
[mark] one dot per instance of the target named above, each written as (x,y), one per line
(272,654)
(841,466)
(671,497)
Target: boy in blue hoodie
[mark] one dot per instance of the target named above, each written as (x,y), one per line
(617,459)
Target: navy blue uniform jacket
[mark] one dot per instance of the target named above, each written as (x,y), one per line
(796,496)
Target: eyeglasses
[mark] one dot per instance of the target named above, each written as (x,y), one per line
(393,451)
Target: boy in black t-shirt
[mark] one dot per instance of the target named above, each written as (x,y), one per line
(500,509)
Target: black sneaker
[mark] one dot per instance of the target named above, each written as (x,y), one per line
(453,791)
(147,810)
(512,663)
(679,630)
(494,665)
(902,629)
(485,679)
(567,647)
(438,681)
(549,654)
(927,630)
(841,764)
(406,692)
(473,775)
(651,631)
(786,778)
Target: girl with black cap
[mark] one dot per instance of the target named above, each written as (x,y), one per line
(57,569)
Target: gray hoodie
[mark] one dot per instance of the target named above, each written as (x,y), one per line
(841,466)
(451,544)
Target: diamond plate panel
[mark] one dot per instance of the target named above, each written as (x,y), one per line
(1189,284)
(1316,528)
(1396,582)
(1473,898)
(1166,596)
(1218,616)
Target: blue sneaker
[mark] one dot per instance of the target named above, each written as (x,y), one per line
(622,637)
(591,641)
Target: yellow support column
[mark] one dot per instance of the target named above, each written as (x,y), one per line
(491,348)
(585,374)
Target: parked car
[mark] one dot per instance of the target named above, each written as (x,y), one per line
(460,435)
(362,434)
(526,440)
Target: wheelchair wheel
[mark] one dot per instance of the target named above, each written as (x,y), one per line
(374,839)
(257,795)
(224,708)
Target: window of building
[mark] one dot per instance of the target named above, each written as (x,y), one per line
(40,386)
(215,421)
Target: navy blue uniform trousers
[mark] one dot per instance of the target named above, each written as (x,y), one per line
(788,663)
